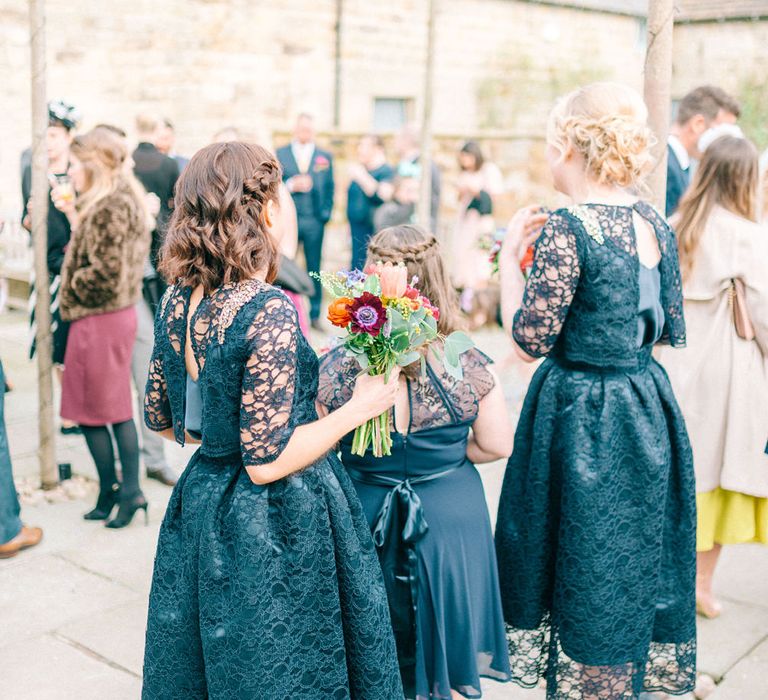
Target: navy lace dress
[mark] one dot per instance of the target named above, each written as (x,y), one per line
(596,528)
(271,591)
(426,506)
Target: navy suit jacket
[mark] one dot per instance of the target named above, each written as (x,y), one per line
(316,204)
(677,181)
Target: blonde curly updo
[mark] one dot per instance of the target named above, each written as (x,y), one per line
(607,124)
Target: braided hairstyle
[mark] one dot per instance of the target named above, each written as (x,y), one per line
(219,232)
(420,252)
(607,124)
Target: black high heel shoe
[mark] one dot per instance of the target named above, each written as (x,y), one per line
(126,512)
(106,501)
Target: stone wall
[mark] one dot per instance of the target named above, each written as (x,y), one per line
(254,64)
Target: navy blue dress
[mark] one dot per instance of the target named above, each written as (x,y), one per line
(596,528)
(426,506)
(270,591)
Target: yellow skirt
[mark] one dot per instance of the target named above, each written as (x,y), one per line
(728,517)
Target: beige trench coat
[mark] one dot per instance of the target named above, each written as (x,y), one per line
(719,379)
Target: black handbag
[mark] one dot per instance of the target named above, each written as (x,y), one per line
(293,279)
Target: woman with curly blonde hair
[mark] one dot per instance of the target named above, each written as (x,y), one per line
(596,526)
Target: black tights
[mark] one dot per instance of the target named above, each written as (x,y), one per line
(100,446)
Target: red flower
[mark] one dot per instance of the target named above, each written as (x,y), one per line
(368,314)
(527,262)
(411,293)
(431,309)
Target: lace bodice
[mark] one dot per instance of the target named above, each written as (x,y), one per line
(437,400)
(581,300)
(257,374)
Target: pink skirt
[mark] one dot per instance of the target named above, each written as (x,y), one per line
(298,302)
(96,385)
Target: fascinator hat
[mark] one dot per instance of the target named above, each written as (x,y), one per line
(63,114)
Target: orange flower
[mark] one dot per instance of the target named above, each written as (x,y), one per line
(338,312)
(394,280)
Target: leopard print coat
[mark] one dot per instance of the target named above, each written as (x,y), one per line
(104,262)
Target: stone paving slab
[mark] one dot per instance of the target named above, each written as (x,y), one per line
(728,638)
(116,634)
(41,592)
(748,679)
(735,578)
(49,668)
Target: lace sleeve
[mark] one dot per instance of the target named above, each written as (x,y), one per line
(481,381)
(550,287)
(268,390)
(671,290)
(157,407)
(337,379)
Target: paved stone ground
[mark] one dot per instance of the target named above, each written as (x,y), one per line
(73,610)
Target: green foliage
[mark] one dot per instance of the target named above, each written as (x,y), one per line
(373,285)
(455,344)
(753,95)
(332,284)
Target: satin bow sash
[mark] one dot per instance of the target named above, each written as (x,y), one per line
(399,525)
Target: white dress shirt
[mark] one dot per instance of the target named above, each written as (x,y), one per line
(680,153)
(302,153)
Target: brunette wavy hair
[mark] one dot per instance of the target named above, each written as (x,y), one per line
(728,176)
(219,231)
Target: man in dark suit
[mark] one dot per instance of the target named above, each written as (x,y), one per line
(165,140)
(700,110)
(158,173)
(308,175)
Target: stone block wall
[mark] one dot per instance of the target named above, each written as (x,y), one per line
(255,64)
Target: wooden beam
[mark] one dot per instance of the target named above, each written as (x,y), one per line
(658,91)
(39,215)
(424,209)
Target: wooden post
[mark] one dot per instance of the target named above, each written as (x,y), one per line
(337,65)
(658,90)
(424,210)
(39,215)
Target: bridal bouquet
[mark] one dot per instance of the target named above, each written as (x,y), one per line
(495,248)
(388,323)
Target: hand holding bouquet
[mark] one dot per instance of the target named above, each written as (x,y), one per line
(522,232)
(389,324)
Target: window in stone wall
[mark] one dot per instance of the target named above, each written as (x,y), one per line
(642,35)
(391,113)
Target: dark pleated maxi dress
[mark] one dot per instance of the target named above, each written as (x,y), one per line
(264,592)
(426,507)
(596,528)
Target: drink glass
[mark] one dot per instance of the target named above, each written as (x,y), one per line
(63,186)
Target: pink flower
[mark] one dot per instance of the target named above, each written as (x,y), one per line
(394,280)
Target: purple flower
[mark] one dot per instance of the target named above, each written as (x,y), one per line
(352,277)
(368,314)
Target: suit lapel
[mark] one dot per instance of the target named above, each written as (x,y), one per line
(290,162)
